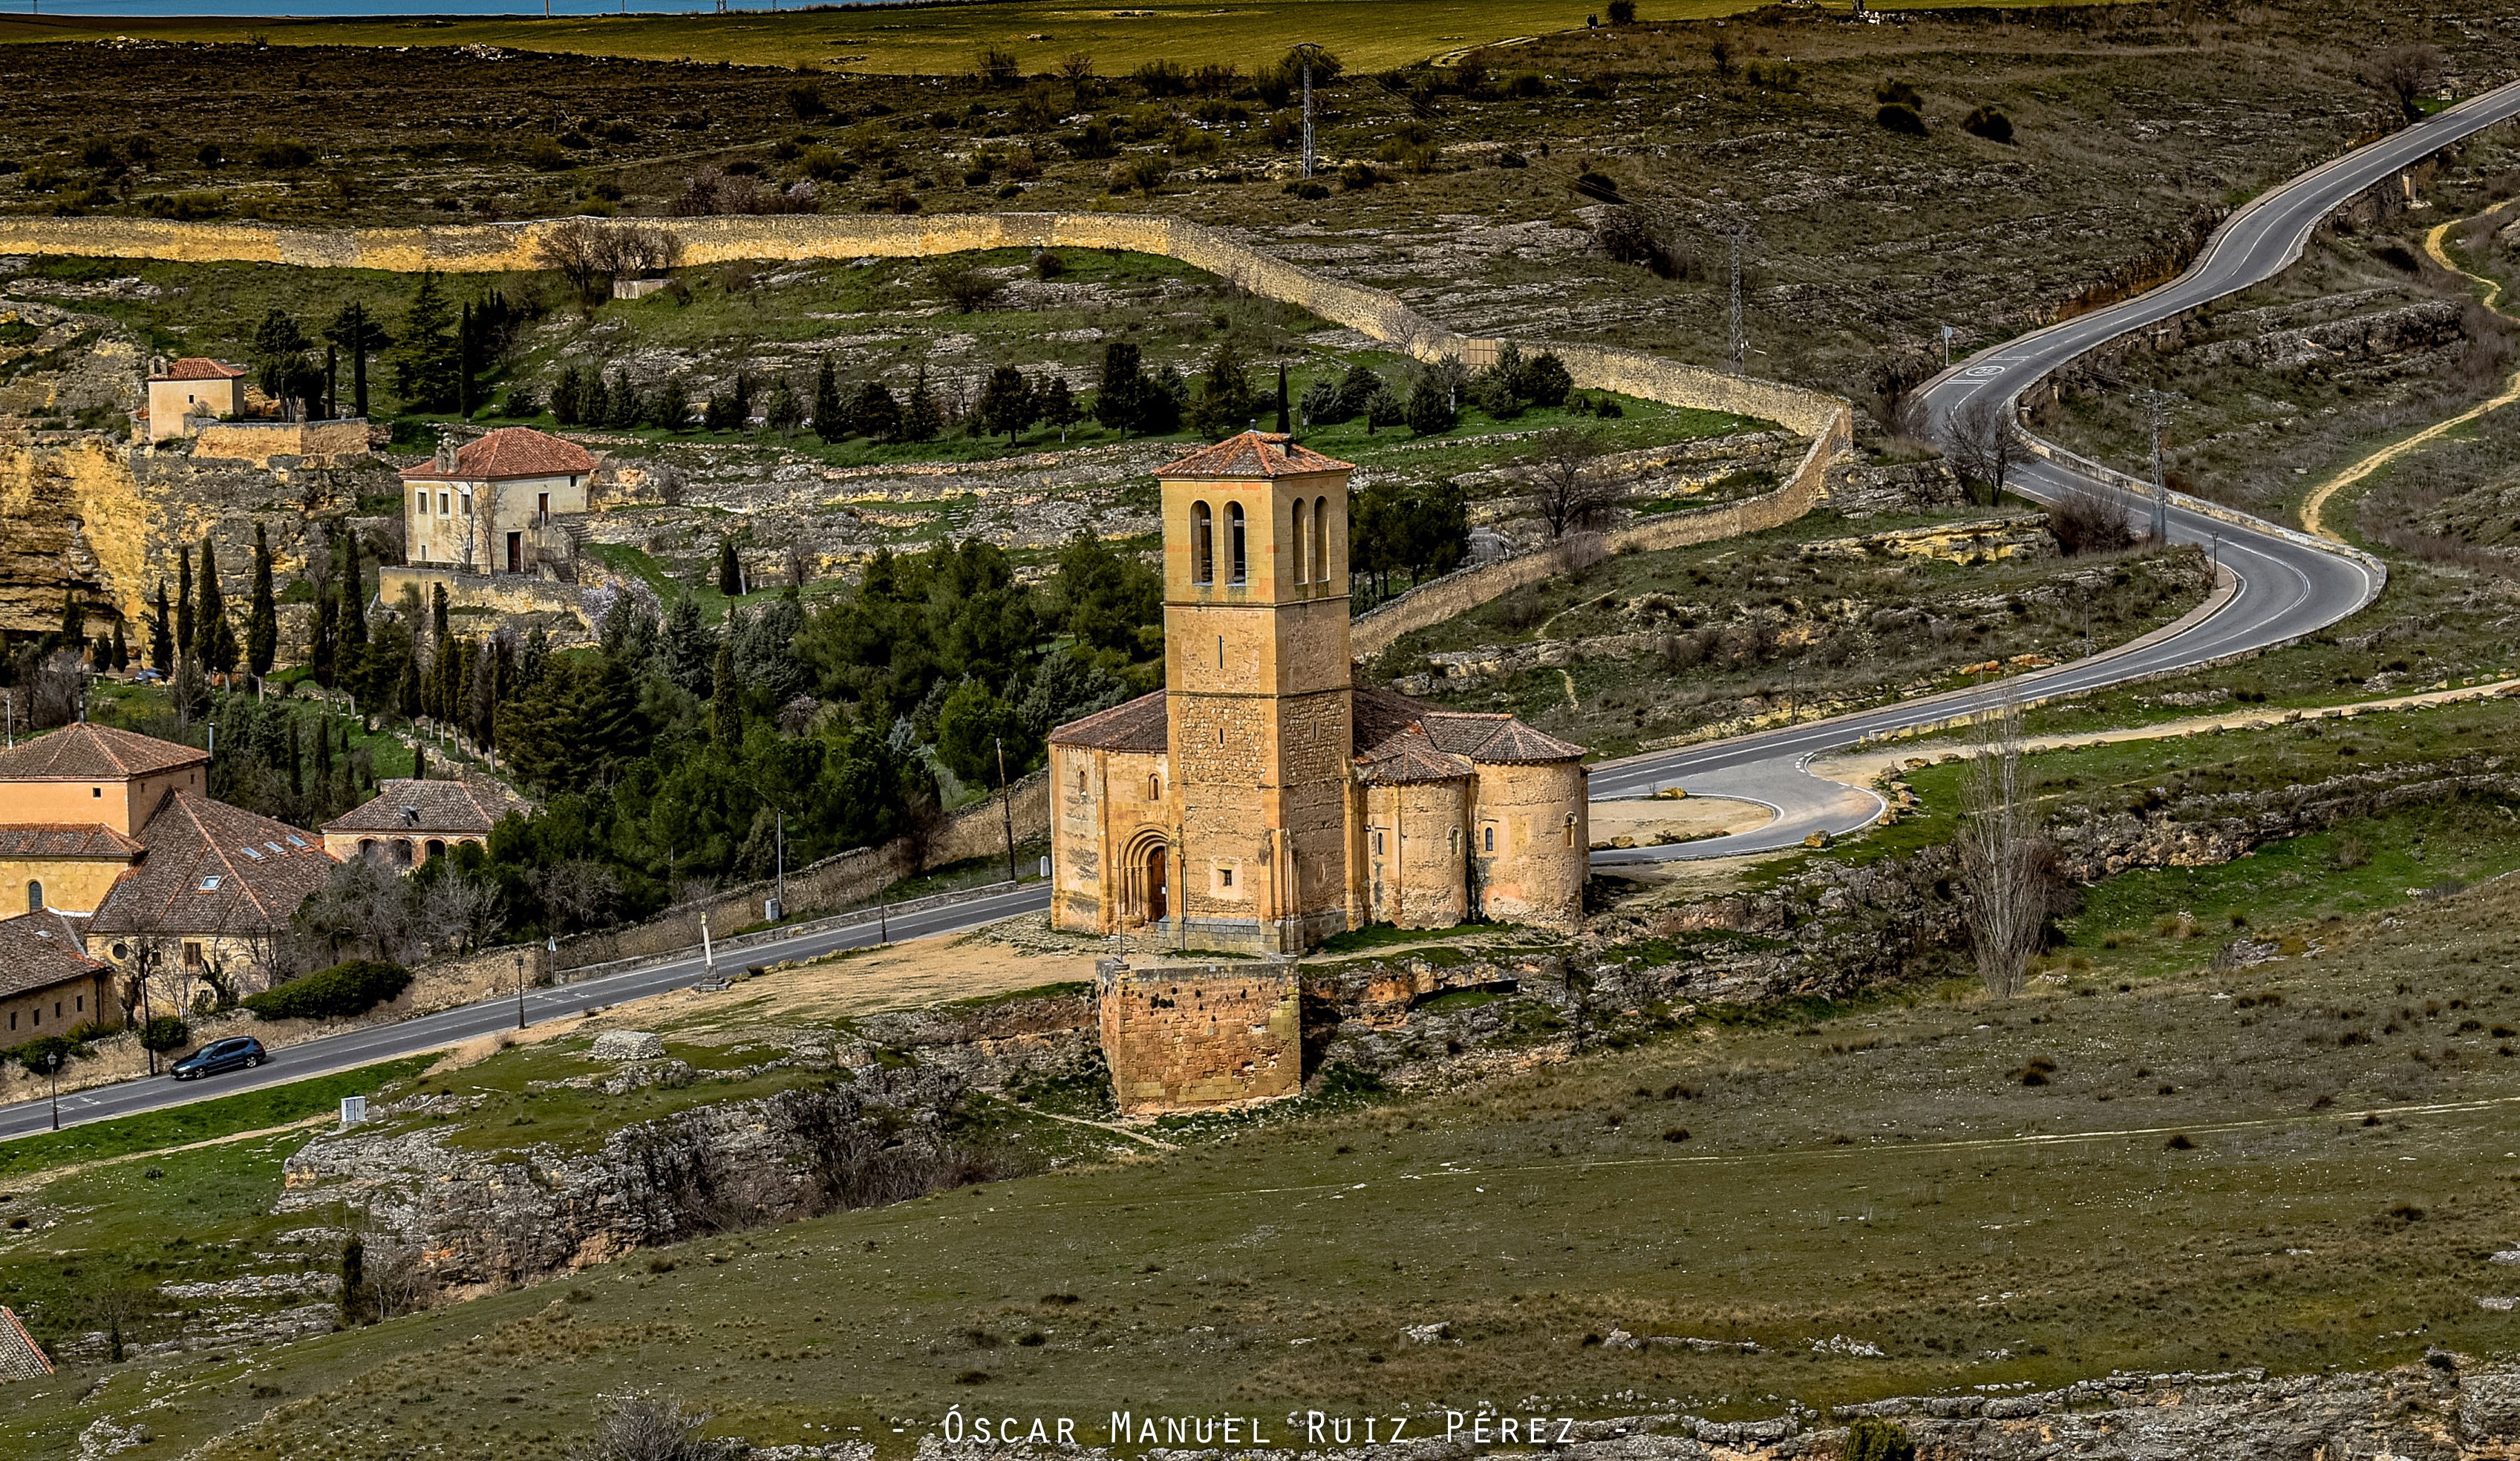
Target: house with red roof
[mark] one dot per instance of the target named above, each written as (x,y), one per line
(505,503)
(184,393)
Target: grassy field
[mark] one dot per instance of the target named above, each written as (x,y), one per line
(938,39)
(202,1121)
(2204,1175)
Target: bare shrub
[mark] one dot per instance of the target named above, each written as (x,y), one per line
(1982,445)
(2400,76)
(1569,490)
(643,1425)
(2083,521)
(2006,865)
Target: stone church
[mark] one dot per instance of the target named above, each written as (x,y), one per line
(1263,800)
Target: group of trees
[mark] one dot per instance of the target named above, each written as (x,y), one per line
(440,355)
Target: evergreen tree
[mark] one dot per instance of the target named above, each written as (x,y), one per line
(437,617)
(350,635)
(426,359)
(318,649)
(568,397)
(354,331)
(743,399)
(1224,404)
(419,763)
(594,400)
(624,404)
(726,703)
(162,638)
(218,641)
(875,413)
(186,637)
(1057,404)
(407,689)
(785,411)
(831,414)
(687,648)
(467,350)
(279,352)
(1119,398)
(1285,418)
(262,624)
(730,569)
(121,649)
(920,418)
(1007,404)
(74,618)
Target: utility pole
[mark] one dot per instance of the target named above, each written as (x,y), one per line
(779,852)
(521,988)
(1006,805)
(2156,405)
(1739,333)
(1305,51)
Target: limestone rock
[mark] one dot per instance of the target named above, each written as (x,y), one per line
(627,1045)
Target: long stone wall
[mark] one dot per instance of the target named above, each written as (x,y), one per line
(839,881)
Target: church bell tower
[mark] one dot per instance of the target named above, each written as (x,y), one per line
(1256,684)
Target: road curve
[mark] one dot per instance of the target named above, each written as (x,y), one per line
(2278,585)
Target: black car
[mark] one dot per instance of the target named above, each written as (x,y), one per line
(221,1055)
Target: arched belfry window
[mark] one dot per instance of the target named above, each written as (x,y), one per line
(1234,544)
(1202,545)
(1300,542)
(35,897)
(1322,539)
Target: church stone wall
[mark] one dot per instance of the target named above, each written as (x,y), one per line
(1537,872)
(1183,1037)
(1106,803)
(1415,865)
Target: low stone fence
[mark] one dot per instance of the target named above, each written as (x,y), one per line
(315,444)
(504,593)
(841,881)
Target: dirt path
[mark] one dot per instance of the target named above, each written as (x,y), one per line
(2314,507)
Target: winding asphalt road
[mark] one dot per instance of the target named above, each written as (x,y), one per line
(2281,586)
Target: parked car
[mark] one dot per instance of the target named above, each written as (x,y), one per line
(220,1055)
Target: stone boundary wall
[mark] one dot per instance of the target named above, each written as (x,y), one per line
(1376,313)
(319,444)
(839,881)
(507,593)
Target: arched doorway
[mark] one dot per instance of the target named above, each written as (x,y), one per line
(1158,858)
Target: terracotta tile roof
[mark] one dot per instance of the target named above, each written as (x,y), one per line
(65,839)
(508,453)
(1253,454)
(201,367)
(1376,715)
(1516,742)
(212,869)
(20,1358)
(38,951)
(86,752)
(405,807)
(1137,724)
(1410,757)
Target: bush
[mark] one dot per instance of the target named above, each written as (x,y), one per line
(165,1032)
(1989,124)
(1623,12)
(274,151)
(806,99)
(1871,1440)
(339,993)
(1309,191)
(1898,94)
(1903,121)
(1545,381)
(46,1053)
(1430,409)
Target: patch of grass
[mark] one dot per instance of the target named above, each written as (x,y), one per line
(1385,936)
(200,1120)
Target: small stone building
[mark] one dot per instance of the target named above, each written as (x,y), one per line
(189,390)
(1262,801)
(506,501)
(409,821)
(48,985)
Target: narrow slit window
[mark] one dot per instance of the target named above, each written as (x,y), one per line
(1234,531)
(1300,542)
(1320,540)
(1487,839)
(1570,830)
(1202,545)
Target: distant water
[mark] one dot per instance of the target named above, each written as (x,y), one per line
(365,9)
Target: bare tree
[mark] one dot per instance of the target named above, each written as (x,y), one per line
(1076,69)
(1569,490)
(2401,77)
(458,914)
(590,255)
(2088,521)
(579,892)
(643,1425)
(1982,445)
(2006,861)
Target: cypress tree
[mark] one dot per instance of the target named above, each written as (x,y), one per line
(121,649)
(464,352)
(161,639)
(218,642)
(1285,420)
(419,763)
(831,416)
(730,569)
(437,617)
(262,623)
(350,635)
(426,359)
(187,644)
(726,710)
(407,689)
(74,618)
(319,650)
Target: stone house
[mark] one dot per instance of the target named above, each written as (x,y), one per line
(1262,800)
(506,502)
(48,985)
(183,393)
(409,821)
(116,832)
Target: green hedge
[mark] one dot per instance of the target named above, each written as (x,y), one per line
(334,994)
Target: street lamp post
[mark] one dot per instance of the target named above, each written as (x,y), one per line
(521,988)
(53,1069)
(1006,804)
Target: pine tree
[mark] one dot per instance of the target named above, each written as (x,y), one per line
(875,413)
(262,623)
(1119,400)
(1057,404)
(831,414)
(426,359)
(743,399)
(595,402)
(187,639)
(121,649)
(1007,403)
(920,418)
(162,637)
